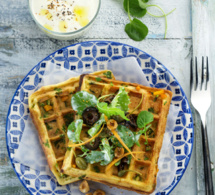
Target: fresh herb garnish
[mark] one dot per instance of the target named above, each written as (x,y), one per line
(133,7)
(74,130)
(105,156)
(136,30)
(58,90)
(96,169)
(108,74)
(126,135)
(98,79)
(48,127)
(64,129)
(139,133)
(123,172)
(143,119)
(57,130)
(84,150)
(47,144)
(118,106)
(96,127)
(121,100)
(151,110)
(111,84)
(82,100)
(109,111)
(69,148)
(68,118)
(164,102)
(82,177)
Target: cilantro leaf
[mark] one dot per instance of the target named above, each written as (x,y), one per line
(121,100)
(144,118)
(93,130)
(134,8)
(109,111)
(74,130)
(82,100)
(126,135)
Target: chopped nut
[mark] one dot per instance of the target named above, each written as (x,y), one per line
(119,152)
(112,124)
(99,192)
(84,187)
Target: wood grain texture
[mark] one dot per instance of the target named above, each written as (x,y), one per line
(23,45)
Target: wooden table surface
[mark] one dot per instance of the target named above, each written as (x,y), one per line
(23,45)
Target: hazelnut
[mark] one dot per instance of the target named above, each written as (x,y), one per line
(119,152)
(99,192)
(112,124)
(84,187)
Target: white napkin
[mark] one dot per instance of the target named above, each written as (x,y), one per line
(30,152)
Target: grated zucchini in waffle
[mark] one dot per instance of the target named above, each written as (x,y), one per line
(51,111)
(117,138)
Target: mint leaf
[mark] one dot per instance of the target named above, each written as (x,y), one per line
(82,100)
(93,130)
(108,111)
(126,135)
(144,118)
(121,100)
(134,8)
(74,130)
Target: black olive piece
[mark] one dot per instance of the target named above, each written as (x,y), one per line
(95,144)
(132,121)
(124,160)
(90,115)
(109,99)
(122,164)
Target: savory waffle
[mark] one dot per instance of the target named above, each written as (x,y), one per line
(156,101)
(51,111)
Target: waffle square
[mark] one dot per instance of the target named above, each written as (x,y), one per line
(51,111)
(146,161)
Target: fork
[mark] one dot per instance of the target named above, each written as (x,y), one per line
(201,101)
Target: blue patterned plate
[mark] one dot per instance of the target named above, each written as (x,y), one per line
(93,56)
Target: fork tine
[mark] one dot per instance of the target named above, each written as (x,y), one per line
(196,74)
(191,73)
(202,74)
(207,74)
